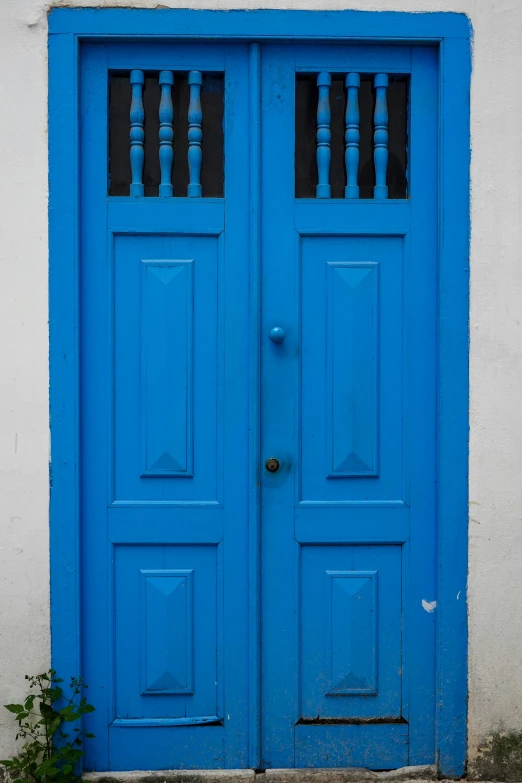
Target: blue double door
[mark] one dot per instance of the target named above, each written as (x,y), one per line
(258,428)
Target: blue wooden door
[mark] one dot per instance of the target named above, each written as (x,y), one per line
(165,343)
(344,646)
(348,408)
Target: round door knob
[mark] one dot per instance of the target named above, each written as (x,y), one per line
(272,464)
(277,334)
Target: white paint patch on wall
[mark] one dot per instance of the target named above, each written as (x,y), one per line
(495,550)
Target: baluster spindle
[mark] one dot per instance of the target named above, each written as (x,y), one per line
(166,132)
(380,136)
(352,135)
(195,134)
(137,133)
(323,189)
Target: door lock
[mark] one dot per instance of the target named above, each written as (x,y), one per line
(272,465)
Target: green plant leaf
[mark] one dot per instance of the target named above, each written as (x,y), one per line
(53,727)
(14,707)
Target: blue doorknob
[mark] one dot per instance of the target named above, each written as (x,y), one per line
(277,334)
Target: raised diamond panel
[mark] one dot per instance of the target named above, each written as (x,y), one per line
(167,632)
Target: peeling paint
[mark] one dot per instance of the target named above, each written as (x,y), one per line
(429,606)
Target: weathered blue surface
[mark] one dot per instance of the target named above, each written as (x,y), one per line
(366,516)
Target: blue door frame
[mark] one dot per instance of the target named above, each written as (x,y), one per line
(452,33)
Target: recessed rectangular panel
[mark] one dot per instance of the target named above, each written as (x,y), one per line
(166,633)
(353,398)
(167,629)
(168,363)
(352,341)
(351,632)
(167,314)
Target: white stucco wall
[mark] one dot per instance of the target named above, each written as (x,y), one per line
(495,548)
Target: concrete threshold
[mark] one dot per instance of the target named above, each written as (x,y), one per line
(349,775)
(344,775)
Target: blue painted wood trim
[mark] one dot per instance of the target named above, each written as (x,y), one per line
(166,132)
(137,133)
(380,135)
(63,356)
(453,435)
(254,520)
(195,134)
(260,24)
(352,135)
(324,135)
(131,723)
(66,26)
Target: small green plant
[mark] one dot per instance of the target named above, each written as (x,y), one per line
(49,752)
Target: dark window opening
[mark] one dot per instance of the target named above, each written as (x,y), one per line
(212,105)
(306,96)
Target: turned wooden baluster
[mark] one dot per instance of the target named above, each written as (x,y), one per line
(137,133)
(380,136)
(323,189)
(166,132)
(195,134)
(352,136)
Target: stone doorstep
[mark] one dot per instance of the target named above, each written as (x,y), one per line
(348,775)
(422,774)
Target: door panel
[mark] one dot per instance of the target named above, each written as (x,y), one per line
(167,351)
(352,411)
(165,613)
(348,406)
(165,327)
(350,609)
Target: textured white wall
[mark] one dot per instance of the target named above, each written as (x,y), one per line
(495,550)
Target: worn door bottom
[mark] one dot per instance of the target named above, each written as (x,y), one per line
(345,775)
